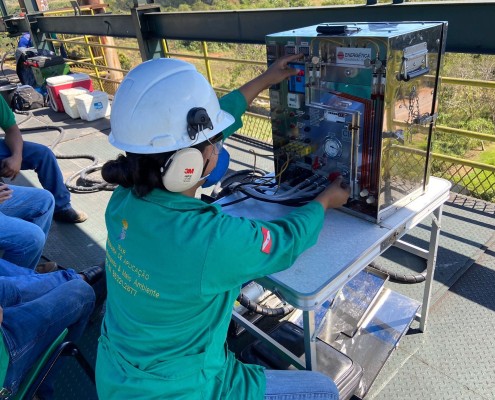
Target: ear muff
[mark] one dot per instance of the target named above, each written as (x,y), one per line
(182,170)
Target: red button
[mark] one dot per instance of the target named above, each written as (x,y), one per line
(333,176)
(316,164)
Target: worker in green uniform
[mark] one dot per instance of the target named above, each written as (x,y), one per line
(175,264)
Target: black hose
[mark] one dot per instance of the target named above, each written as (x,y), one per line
(404,278)
(88,185)
(262,310)
(293,202)
(223,188)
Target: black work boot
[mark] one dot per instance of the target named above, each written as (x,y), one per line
(70,216)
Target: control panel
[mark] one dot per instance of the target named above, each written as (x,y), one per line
(341,114)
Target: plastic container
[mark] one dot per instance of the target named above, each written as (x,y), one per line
(68,97)
(57,83)
(41,74)
(93,105)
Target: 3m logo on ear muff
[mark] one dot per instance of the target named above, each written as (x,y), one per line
(182,170)
(197,120)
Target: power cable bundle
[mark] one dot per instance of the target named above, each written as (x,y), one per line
(397,277)
(263,310)
(267,190)
(88,185)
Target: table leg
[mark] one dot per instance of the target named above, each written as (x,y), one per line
(309,340)
(268,341)
(430,266)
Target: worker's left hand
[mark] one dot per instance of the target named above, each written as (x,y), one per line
(10,167)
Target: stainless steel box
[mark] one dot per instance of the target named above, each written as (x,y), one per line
(363,105)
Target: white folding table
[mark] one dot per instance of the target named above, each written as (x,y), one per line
(346,245)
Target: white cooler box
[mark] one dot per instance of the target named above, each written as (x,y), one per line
(68,97)
(57,83)
(93,105)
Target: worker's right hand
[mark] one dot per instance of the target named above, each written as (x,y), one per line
(5,192)
(335,195)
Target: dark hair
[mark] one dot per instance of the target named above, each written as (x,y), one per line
(141,172)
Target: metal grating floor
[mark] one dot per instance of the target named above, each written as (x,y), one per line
(452,360)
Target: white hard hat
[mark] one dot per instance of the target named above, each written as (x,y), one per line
(151,107)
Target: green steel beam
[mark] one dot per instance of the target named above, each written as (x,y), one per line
(98,25)
(469,22)
(31,6)
(149,46)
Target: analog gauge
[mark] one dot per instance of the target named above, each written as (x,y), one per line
(333,148)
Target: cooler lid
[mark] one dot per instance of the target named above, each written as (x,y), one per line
(95,94)
(73,91)
(63,79)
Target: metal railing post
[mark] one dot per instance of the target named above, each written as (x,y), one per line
(204,46)
(165,48)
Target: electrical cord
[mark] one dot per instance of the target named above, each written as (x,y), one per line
(88,185)
(394,276)
(222,188)
(262,188)
(302,196)
(303,193)
(262,310)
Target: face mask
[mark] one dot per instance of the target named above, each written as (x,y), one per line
(220,169)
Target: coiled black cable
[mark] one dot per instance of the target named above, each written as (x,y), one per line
(292,201)
(224,188)
(88,185)
(395,276)
(262,310)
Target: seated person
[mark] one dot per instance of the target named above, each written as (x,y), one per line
(25,219)
(176,263)
(23,52)
(15,154)
(25,40)
(34,310)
